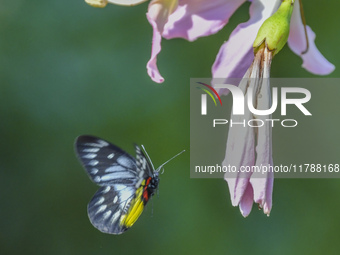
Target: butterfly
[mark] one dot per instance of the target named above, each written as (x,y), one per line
(126,183)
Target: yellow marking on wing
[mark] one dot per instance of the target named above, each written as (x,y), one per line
(136,209)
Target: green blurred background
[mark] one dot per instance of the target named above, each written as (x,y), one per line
(69,69)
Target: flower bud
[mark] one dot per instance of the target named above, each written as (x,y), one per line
(274,31)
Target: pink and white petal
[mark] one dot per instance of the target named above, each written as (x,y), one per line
(196,18)
(236,55)
(262,182)
(313,60)
(160,10)
(263,190)
(151,66)
(240,152)
(246,203)
(267,206)
(157,15)
(237,186)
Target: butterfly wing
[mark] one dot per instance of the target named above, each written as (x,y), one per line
(108,207)
(105,163)
(144,168)
(119,202)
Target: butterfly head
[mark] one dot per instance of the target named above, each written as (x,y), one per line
(153,185)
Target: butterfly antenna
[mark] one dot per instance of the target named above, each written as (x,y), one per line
(160,167)
(149,159)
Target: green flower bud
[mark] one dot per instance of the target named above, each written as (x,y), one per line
(274,31)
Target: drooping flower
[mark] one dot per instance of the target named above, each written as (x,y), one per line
(252,145)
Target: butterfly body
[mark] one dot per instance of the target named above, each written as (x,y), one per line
(127,183)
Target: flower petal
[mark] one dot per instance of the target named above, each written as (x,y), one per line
(236,55)
(151,66)
(263,189)
(197,18)
(313,60)
(240,152)
(262,182)
(157,15)
(246,203)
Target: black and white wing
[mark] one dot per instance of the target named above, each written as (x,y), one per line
(144,168)
(105,163)
(108,205)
